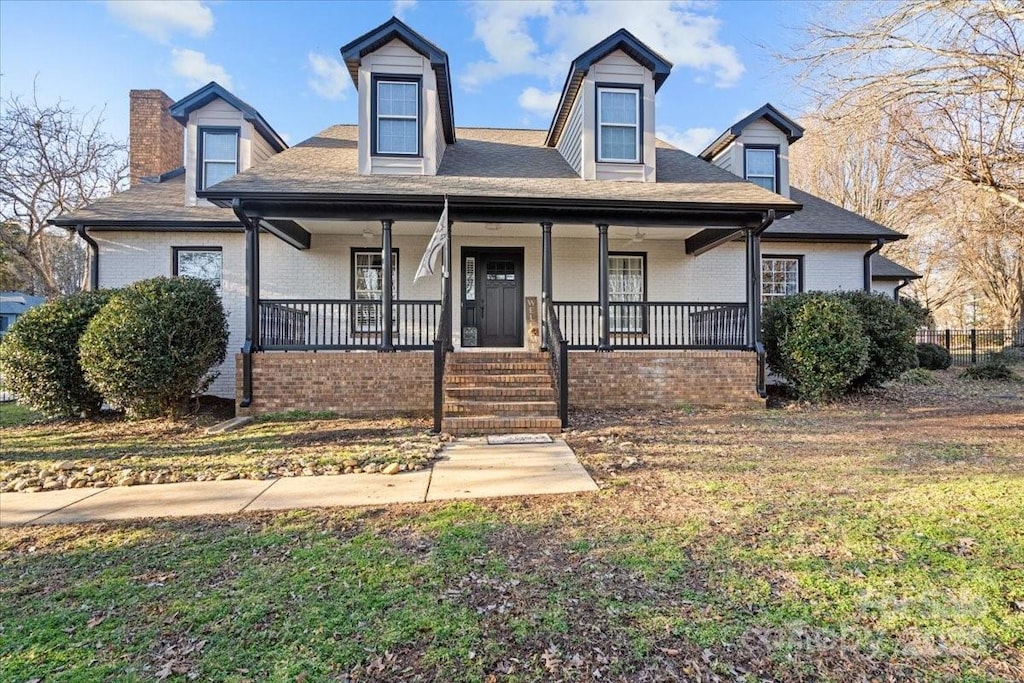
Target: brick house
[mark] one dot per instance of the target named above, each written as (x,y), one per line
(588,265)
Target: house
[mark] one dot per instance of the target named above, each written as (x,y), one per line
(13,305)
(589,265)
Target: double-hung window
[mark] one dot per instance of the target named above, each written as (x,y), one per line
(218,155)
(368,285)
(618,124)
(780,276)
(627,284)
(397,113)
(203,263)
(760,166)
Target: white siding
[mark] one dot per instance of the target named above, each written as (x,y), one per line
(261,150)
(618,68)
(886,287)
(724,159)
(571,141)
(761,132)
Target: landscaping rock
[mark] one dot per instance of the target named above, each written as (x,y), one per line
(65,465)
(227,476)
(392,468)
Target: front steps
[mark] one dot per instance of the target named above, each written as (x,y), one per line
(499,392)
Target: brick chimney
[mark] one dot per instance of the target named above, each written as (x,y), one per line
(155,140)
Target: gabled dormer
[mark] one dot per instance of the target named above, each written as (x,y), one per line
(223,136)
(757,148)
(406,120)
(604,124)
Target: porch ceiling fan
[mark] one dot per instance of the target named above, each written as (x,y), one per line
(638,236)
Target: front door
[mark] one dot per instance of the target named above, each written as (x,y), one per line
(492,297)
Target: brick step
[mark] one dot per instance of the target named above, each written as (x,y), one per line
(522,379)
(501,425)
(467,408)
(484,357)
(498,367)
(513,392)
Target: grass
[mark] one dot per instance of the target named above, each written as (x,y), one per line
(14,415)
(881,538)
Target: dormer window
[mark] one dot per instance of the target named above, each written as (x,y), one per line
(761,166)
(618,124)
(217,155)
(396,116)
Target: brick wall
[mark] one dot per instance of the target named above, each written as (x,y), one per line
(155,140)
(348,383)
(639,379)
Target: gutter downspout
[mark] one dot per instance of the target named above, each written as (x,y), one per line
(867,263)
(94,257)
(754,297)
(896,290)
(252,289)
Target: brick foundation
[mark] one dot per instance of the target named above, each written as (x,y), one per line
(640,379)
(355,383)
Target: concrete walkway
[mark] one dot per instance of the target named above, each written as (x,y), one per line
(467,468)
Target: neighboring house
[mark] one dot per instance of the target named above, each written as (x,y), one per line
(589,236)
(13,305)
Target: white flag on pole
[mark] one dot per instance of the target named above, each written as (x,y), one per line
(437,243)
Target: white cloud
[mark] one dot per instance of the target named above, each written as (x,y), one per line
(159,19)
(692,140)
(539,102)
(193,67)
(330,78)
(401,7)
(680,31)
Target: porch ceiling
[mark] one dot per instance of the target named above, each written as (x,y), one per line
(496,230)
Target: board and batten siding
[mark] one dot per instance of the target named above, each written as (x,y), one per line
(570,143)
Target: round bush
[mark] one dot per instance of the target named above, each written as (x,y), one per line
(153,345)
(39,357)
(933,357)
(816,342)
(890,329)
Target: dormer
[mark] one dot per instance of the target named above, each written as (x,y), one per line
(406,119)
(604,124)
(757,148)
(223,136)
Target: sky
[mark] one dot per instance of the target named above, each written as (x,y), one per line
(508,59)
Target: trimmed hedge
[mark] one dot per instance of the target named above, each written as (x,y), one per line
(890,329)
(153,345)
(39,356)
(816,341)
(933,356)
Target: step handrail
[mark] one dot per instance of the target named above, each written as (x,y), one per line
(558,350)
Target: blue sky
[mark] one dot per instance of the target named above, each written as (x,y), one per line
(508,59)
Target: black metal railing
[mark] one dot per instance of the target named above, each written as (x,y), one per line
(442,342)
(344,324)
(558,350)
(967,347)
(655,325)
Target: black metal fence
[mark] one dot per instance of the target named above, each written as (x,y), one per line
(655,325)
(968,347)
(344,324)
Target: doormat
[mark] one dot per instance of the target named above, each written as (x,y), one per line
(501,439)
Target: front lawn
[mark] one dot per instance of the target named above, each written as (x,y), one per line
(879,539)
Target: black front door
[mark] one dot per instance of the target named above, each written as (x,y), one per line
(492,297)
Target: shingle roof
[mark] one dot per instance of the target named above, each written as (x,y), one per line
(492,162)
(769,113)
(885,269)
(213,90)
(149,203)
(821,218)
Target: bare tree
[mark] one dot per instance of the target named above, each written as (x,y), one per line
(52,161)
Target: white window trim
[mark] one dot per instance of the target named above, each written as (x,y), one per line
(775,165)
(767,296)
(204,160)
(601,125)
(397,117)
(629,320)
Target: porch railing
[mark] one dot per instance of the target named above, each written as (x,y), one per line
(655,325)
(558,349)
(344,324)
(442,342)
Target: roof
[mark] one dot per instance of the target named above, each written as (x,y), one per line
(492,162)
(820,218)
(885,269)
(620,40)
(212,91)
(16,303)
(395,29)
(769,113)
(150,204)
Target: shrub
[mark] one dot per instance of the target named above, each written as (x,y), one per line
(991,370)
(153,345)
(933,357)
(1011,355)
(918,311)
(816,342)
(890,329)
(919,376)
(39,356)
